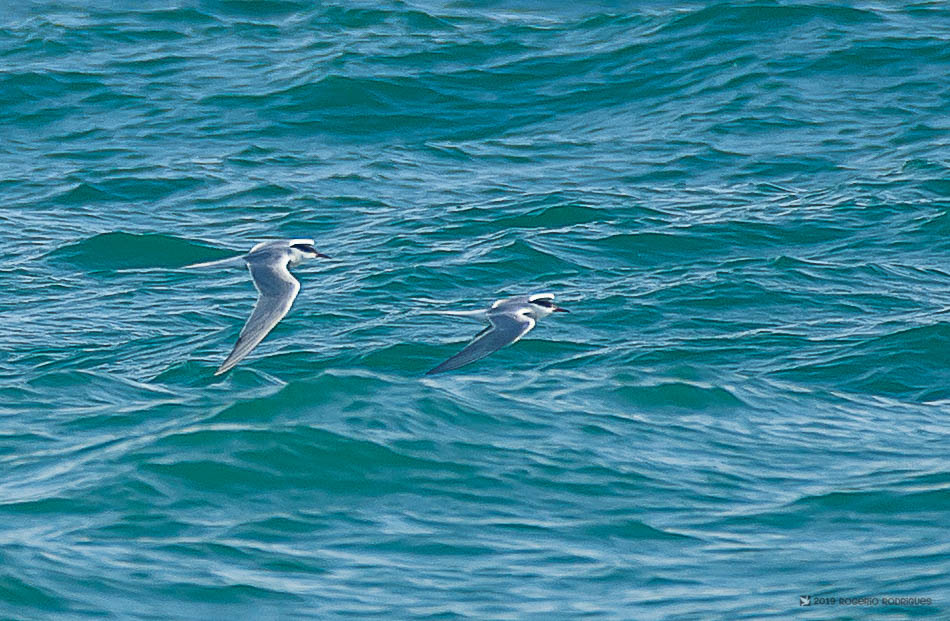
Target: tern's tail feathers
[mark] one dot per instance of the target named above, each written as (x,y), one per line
(478,315)
(231,262)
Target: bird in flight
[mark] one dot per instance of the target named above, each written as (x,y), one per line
(268,263)
(508,320)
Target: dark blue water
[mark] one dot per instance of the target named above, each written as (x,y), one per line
(745,205)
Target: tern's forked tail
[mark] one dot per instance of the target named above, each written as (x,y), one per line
(230,262)
(477,315)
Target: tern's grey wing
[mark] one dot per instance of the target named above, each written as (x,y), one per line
(505,329)
(277,292)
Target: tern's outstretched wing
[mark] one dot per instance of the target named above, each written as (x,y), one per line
(505,329)
(277,289)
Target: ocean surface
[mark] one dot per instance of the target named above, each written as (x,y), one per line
(746,207)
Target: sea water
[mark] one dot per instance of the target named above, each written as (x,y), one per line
(745,205)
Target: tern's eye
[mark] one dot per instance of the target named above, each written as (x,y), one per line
(304,247)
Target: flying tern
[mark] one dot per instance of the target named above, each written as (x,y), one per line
(508,320)
(268,263)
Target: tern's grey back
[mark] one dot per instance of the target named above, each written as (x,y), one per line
(509,305)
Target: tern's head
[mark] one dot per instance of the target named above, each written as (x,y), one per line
(302,249)
(542,305)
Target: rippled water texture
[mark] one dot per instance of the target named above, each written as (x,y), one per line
(745,205)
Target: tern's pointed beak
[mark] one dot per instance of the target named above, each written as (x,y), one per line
(561,310)
(321,255)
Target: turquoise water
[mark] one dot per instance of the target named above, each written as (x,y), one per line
(746,206)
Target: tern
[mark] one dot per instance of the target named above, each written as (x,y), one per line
(508,320)
(268,263)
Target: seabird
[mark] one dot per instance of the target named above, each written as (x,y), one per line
(508,320)
(268,263)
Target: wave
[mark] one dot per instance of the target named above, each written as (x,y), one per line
(683,395)
(906,363)
(119,250)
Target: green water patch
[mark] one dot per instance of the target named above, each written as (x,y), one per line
(907,363)
(258,9)
(232,457)
(631,530)
(122,188)
(878,502)
(769,18)
(848,506)
(15,589)
(179,15)
(118,251)
(142,188)
(114,397)
(85,194)
(258,192)
(520,257)
(349,18)
(204,594)
(547,218)
(301,398)
(649,247)
(411,359)
(677,394)
(336,91)
(18,87)
(50,506)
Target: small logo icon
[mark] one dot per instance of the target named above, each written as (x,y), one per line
(804,600)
